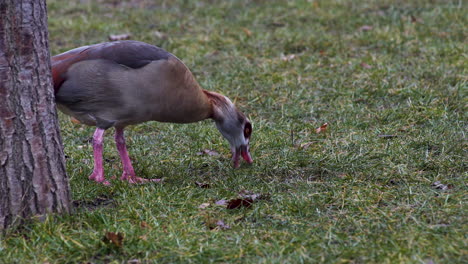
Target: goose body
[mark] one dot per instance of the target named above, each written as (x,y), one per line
(116,84)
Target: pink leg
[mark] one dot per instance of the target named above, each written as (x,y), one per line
(128,172)
(98,172)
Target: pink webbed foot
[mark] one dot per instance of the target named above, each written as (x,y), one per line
(99,178)
(133,179)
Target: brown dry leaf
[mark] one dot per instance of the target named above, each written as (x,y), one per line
(322,128)
(119,37)
(238,203)
(114,238)
(208,152)
(366,28)
(247,32)
(143,224)
(143,237)
(204,205)
(202,185)
(365,65)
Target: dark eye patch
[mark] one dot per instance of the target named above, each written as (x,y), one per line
(247,130)
(240,118)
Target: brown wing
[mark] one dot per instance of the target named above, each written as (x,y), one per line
(133,54)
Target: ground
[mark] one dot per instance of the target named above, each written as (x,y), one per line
(385,183)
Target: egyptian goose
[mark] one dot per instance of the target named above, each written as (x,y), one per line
(116,84)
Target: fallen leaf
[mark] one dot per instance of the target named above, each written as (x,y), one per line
(222,225)
(202,185)
(221,202)
(365,65)
(204,205)
(322,128)
(440,186)
(143,224)
(119,37)
(247,32)
(208,152)
(134,261)
(289,57)
(239,202)
(387,136)
(114,238)
(366,28)
(143,237)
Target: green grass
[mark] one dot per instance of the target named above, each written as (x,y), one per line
(351,196)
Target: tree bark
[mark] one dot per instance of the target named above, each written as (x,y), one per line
(33,179)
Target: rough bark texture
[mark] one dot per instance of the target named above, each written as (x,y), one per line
(33,179)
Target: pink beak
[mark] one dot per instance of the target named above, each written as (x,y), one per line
(241,151)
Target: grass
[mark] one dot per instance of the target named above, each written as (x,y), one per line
(368,68)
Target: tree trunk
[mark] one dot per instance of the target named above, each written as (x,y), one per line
(33,179)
